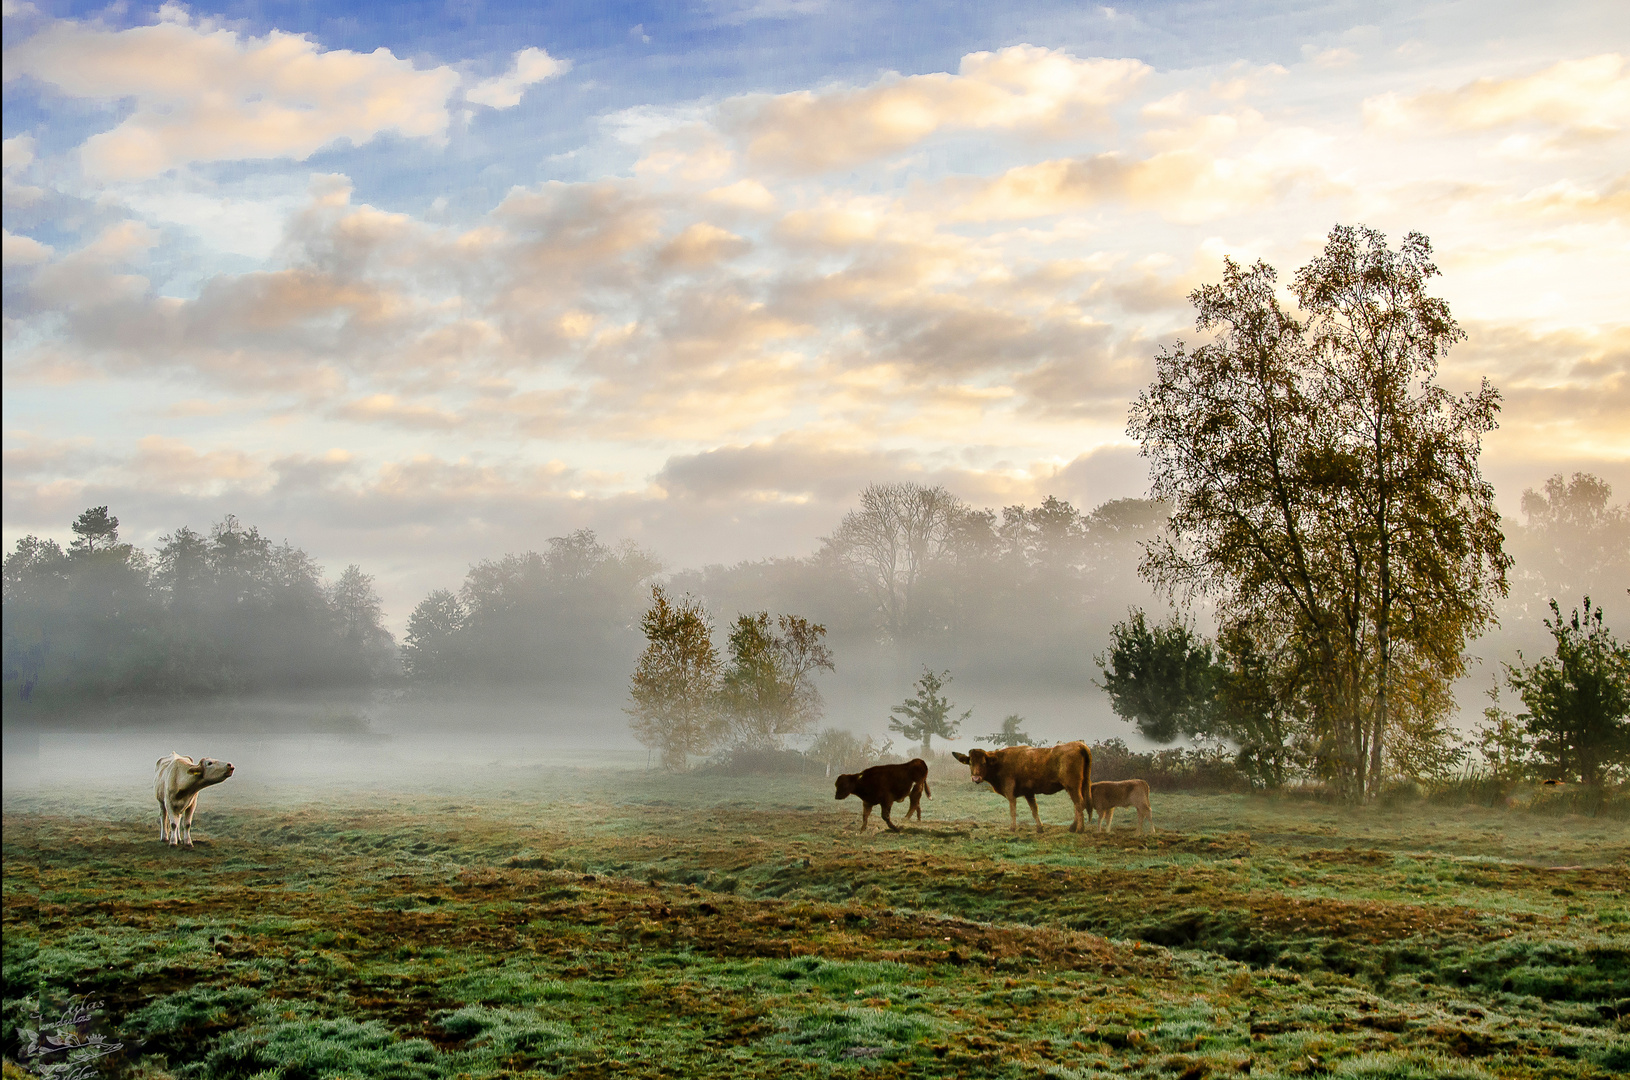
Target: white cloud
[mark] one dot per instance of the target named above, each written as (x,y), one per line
(1587,98)
(17,153)
(18,156)
(25,250)
(531,65)
(1022,87)
(1182,185)
(206,94)
(1330,58)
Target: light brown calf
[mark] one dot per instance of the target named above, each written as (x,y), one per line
(1111,795)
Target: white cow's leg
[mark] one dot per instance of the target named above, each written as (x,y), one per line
(188,812)
(163,823)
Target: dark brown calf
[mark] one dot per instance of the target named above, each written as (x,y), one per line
(885,785)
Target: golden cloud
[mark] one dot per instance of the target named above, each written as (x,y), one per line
(206,94)
(1018,88)
(1583,99)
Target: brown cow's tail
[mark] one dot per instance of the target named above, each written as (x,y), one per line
(927,792)
(1086,773)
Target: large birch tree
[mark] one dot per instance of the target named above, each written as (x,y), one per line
(1325,489)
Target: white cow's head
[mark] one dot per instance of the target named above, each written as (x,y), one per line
(209,771)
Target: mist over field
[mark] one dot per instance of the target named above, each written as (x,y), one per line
(221,634)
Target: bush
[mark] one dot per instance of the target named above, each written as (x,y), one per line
(1175,769)
(759,761)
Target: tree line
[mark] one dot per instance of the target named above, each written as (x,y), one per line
(227,611)
(912,569)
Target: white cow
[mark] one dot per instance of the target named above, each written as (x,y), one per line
(176,784)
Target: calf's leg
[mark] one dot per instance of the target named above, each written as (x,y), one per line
(888,804)
(865,815)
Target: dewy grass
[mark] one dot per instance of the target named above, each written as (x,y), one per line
(722,927)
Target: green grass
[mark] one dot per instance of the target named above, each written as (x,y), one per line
(616,923)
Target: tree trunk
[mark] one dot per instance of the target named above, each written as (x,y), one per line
(1383,628)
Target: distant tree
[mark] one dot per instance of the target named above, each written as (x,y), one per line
(80,622)
(768,689)
(94,530)
(1161,679)
(890,543)
(835,748)
(1578,699)
(1010,735)
(755,692)
(184,572)
(561,615)
(227,611)
(1574,540)
(674,691)
(928,713)
(1321,482)
(35,577)
(430,651)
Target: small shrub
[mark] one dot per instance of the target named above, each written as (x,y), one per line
(758,761)
(1174,769)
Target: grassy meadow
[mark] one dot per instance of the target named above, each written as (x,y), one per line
(599,922)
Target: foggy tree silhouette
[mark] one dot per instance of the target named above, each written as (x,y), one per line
(227,612)
(565,615)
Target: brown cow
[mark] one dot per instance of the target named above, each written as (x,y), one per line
(1110,795)
(885,785)
(1028,771)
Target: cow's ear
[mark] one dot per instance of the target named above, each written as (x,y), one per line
(960,756)
(196,770)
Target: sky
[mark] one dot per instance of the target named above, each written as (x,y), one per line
(413,285)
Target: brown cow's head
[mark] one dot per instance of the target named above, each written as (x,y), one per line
(847,782)
(978,762)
